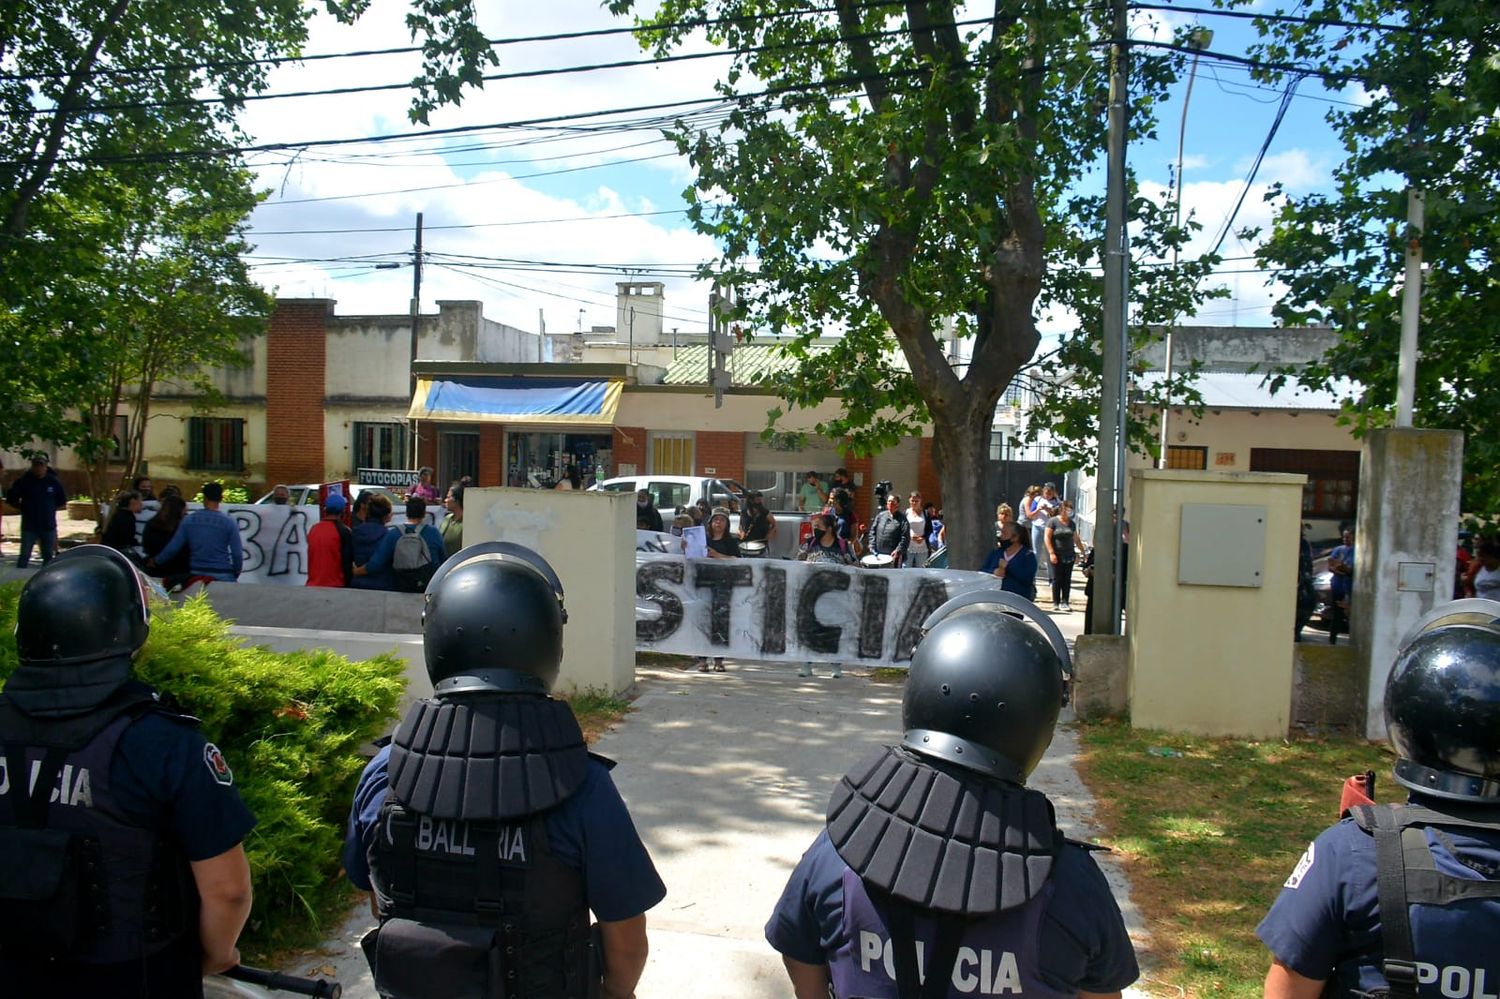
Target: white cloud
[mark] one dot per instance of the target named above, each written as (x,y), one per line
(1294,169)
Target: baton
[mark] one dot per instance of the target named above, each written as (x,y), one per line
(319,988)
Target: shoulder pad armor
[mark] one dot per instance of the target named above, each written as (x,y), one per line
(949,842)
(491,759)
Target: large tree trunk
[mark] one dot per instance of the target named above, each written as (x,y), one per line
(961,453)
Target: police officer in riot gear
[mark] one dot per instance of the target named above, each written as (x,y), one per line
(1404,900)
(122,870)
(486,829)
(937,858)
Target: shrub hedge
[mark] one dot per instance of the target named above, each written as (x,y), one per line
(291,725)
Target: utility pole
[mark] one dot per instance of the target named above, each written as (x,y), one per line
(1104,609)
(541,335)
(416,317)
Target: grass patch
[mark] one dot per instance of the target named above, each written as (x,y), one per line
(1208,829)
(597,710)
(667,659)
(889,674)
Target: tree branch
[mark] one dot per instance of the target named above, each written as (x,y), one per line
(862,54)
(67,103)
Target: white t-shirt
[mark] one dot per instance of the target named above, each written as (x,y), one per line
(914,525)
(1487,583)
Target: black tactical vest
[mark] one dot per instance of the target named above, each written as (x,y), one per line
(80,880)
(472,901)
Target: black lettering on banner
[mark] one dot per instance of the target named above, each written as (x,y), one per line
(290,545)
(720,580)
(773,611)
(873,593)
(931,594)
(647,577)
(812,634)
(248,521)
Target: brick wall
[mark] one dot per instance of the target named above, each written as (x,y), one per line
(491,455)
(862,471)
(927,475)
(296,361)
(630,449)
(723,451)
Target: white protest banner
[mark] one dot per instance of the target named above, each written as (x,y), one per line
(274,538)
(771,609)
(658,542)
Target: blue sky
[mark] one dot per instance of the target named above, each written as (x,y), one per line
(567,212)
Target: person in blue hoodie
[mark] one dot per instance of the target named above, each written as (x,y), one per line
(38,494)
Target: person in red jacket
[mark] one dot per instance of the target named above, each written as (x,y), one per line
(330,547)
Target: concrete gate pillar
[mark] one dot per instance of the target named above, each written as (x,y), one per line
(1404,546)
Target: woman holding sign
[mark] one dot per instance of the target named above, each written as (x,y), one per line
(721,544)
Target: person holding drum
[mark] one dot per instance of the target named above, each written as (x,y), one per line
(827,548)
(888,536)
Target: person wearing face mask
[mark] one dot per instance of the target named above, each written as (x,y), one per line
(827,548)
(757,524)
(647,516)
(281,495)
(1013,563)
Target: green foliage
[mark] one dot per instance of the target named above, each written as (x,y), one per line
(894,172)
(1431,85)
(292,725)
(234,492)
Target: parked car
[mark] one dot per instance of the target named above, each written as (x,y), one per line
(669,492)
(306,494)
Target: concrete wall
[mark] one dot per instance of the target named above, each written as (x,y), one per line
(1243,348)
(1407,533)
(167,448)
(589,539)
(1212,660)
(1229,435)
(1101,677)
(688,408)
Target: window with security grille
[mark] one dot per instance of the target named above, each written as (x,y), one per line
(216,444)
(1191,458)
(380,445)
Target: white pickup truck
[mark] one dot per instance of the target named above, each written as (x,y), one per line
(669,492)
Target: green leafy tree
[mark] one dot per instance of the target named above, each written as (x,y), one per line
(1431,76)
(98,105)
(892,173)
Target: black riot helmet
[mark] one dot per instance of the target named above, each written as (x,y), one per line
(493,622)
(986,686)
(88,604)
(1442,703)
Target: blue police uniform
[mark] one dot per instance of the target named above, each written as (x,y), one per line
(590,831)
(1326,922)
(162,777)
(1071,939)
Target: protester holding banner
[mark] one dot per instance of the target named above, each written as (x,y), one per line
(1013,563)
(211,539)
(158,533)
(369,532)
(721,544)
(330,546)
(757,525)
(825,547)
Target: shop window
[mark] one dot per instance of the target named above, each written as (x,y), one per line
(1332,488)
(1191,458)
(380,445)
(216,444)
(119,433)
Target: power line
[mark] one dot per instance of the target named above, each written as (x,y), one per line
(1260,156)
(472,225)
(1318,22)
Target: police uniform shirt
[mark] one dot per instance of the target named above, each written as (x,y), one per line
(168,777)
(1097,956)
(591,831)
(1327,917)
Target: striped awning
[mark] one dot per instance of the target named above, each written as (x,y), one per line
(518,401)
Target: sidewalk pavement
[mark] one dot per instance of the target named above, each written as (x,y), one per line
(727,776)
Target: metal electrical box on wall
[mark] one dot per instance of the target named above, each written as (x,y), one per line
(1222,544)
